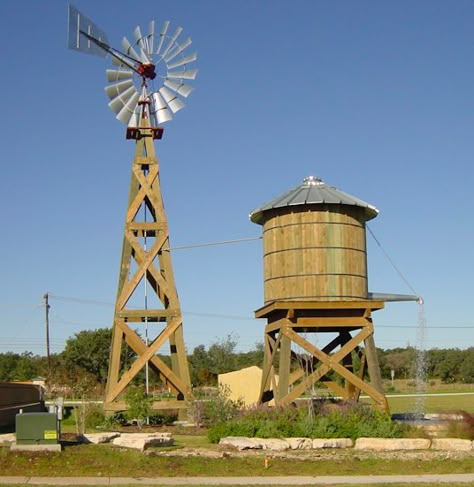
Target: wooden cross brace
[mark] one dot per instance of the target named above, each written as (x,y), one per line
(278,339)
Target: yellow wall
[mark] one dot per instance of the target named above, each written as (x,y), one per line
(243,384)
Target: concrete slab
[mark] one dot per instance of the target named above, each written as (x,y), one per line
(52,447)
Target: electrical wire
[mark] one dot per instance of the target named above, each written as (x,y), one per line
(392,263)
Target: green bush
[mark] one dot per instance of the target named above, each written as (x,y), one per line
(345,420)
(139,405)
(158,419)
(95,416)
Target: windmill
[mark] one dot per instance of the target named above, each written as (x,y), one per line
(146,87)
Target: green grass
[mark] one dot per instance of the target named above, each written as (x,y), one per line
(432,404)
(105,460)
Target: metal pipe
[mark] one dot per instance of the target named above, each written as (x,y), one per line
(395,297)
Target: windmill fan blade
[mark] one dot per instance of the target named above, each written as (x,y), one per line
(142,43)
(151,37)
(164,30)
(172,40)
(180,88)
(116,89)
(161,109)
(185,60)
(78,23)
(174,103)
(128,49)
(134,119)
(118,74)
(179,48)
(127,111)
(121,100)
(184,74)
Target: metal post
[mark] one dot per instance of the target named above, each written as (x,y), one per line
(47,307)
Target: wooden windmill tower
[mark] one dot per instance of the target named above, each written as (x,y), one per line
(146,272)
(319,315)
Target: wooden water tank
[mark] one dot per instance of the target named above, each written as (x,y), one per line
(314,244)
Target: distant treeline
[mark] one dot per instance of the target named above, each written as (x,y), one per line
(83,364)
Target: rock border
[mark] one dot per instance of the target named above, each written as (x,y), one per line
(375,444)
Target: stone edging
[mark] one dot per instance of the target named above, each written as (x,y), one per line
(378,444)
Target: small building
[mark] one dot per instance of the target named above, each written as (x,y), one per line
(243,385)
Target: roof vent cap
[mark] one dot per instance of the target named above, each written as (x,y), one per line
(312,181)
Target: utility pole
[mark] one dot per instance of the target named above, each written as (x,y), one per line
(46,308)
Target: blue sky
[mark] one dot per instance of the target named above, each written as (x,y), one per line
(376,98)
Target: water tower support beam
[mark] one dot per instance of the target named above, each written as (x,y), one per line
(352,323)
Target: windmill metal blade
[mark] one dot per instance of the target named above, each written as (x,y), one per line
(174,103)
(164,30)
(185,60)
(180,88)
(179,48)
(130,51)
(127,111)
(134,119)
(162,112)
(151,37)
(175,36)
(184,74)
(116,89)
(77,23)
(142,43)
(138,36)
(118,74)
(120,101)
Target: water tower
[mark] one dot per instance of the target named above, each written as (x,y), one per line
(316,300)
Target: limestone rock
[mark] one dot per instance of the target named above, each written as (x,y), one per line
(392,444)
(142,441)
(332,443)
(453,444)
(274,444)
(98,438)
(8,438)
(242,443)
(300,443)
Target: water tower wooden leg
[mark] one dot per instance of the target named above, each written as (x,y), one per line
(374,370)
(284,369)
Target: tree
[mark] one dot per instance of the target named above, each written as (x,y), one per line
(222,356)
(467,367)
(89,350)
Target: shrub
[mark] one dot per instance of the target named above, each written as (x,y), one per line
(157,419)
(217,409)
(138,405)
(346,420)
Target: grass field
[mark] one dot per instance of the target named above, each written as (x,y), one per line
(432,404)
(106,460)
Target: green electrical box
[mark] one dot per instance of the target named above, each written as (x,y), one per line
(37,429)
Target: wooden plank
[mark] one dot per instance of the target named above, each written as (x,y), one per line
(269,308)
(140,315)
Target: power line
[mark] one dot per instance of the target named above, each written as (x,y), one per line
(219,242)
(392,263)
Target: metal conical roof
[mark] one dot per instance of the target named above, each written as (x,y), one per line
(313,191)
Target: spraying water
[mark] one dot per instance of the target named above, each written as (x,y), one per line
(420,363)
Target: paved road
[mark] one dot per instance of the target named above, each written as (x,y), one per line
(355,480)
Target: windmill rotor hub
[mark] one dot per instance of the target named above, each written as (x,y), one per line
(147,70)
